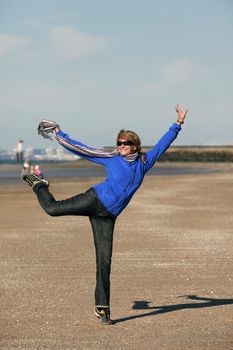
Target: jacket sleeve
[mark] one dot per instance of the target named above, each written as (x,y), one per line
(161,146)
(79,149)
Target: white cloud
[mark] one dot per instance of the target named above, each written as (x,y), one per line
(10,43)
(169,77)
(69,44)
(64,43)
(180,71)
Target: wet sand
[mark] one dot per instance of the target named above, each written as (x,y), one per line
(172,268)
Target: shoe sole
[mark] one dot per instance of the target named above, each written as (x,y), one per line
(32,183)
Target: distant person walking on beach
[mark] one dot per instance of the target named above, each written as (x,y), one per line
(37,171)
(19,152)
(26,166)
(126,166)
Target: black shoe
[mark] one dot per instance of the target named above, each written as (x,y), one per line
(32,179)
(104,315)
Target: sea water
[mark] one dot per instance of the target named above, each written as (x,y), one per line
(10,174)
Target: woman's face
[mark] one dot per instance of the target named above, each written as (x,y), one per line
(125,147)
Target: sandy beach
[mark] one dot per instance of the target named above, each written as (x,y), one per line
(172,268)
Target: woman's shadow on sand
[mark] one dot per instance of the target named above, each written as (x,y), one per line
(156,310)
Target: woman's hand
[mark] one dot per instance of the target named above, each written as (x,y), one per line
(181,115)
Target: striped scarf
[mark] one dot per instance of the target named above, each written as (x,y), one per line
(47,128)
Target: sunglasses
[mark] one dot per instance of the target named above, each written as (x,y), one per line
(125,143)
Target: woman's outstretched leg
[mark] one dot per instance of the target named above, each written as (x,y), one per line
(81,204)
(85,204)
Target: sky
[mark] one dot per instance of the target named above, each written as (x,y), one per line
(99,66)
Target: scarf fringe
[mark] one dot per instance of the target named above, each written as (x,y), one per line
(46,127)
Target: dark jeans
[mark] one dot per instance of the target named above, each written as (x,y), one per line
(102,222)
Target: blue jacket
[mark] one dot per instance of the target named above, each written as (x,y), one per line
(123,177)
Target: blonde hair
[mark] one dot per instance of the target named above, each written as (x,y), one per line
(130,135)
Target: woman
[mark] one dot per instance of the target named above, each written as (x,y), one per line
(102,203)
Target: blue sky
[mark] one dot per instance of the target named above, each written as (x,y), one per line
(99,66)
